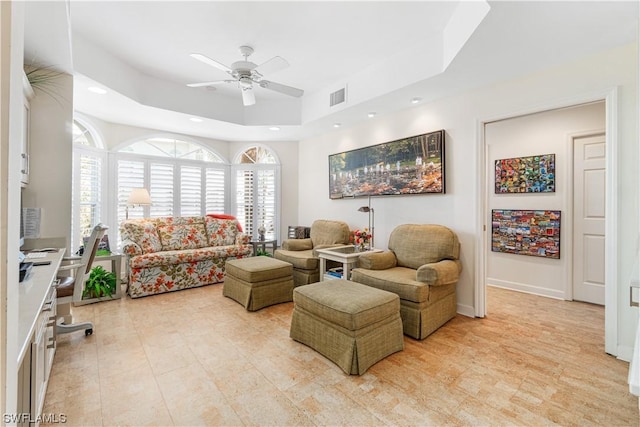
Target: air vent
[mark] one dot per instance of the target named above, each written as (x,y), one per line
(337,97)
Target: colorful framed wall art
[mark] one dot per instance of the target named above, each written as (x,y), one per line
(532,174)
(526,232)
(413,165)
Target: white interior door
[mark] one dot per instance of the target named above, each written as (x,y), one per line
(589,180)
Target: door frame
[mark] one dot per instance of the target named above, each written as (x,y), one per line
(610,96)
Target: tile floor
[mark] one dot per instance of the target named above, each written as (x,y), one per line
(194,357)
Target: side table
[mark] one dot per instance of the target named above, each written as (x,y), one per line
(347,255)
(273,244)
(116,268)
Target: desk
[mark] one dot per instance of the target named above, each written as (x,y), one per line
(346,255)
(263,244)
(116,268)
(32,293)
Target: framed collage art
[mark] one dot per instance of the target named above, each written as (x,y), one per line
(531,174)
(526,232)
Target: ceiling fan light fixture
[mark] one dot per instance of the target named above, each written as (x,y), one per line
(245,83)
(416,100)
(245,73)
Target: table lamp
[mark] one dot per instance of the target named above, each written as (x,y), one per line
(137,197)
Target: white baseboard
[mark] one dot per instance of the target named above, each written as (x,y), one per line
(625,352)
(523,287)
(466,310)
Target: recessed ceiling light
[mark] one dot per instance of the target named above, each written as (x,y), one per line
(96,89)
(196,119)
(274,128)
(336,125)
(371,114)
(416,100)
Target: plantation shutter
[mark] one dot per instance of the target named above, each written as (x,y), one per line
(215,191)
(161,189)
(130,175)
(190,191)
(244,200)
(266,201)
(87,195)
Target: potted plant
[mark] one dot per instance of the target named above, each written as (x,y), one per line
(262,252)
(101,283)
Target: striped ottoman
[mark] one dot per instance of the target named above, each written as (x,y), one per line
(258,282)
(351,324)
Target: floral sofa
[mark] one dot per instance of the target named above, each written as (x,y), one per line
(168,254)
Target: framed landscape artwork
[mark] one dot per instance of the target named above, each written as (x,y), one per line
(526,232)
(532,174)
(413,165)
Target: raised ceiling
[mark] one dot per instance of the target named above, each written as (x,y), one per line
(383,53)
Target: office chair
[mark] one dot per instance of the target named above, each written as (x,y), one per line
(69,288)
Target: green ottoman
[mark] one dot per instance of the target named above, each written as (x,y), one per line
(258,282)
(351,324)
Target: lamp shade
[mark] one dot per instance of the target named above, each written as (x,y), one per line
(139,197)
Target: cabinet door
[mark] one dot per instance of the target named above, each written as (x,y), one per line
(50,334)
(38,379)
(24,152)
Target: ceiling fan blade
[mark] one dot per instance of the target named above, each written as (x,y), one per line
(276,63)
(209,61)
(248,97)
(287,90)
(216,82)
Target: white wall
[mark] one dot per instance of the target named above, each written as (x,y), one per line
(50,157)
(461,116)
(543,133)
(11,136)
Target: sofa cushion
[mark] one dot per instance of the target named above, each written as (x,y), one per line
(377,260)
(189,256)
(299,259)
(221,232)
(182,235)
(144,233)
(440,273)
(297,244)
(419,244)
(399,280)
(328,232)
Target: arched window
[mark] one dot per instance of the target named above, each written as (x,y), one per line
(257,188)
(89,174)
(183,178)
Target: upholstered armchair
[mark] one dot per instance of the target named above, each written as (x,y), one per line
(422,267)
(301,253)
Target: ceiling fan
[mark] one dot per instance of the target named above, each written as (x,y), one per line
(246,73)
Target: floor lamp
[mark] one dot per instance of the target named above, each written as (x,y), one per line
(369,210)
(137,197)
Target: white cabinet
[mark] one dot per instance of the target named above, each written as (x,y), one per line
(42,352)
(37,313)
(26,130)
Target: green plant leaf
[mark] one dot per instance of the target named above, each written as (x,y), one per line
(100,283)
